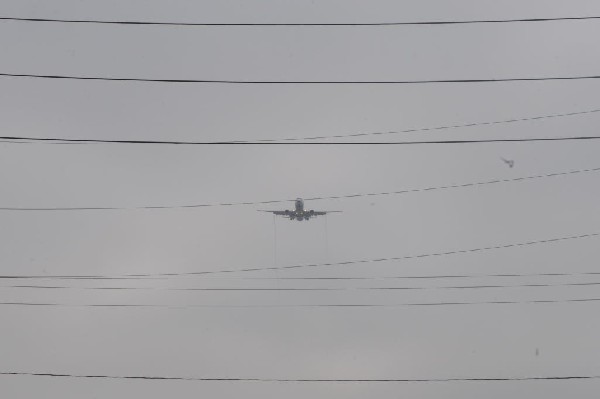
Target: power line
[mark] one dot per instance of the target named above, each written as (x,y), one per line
(426,277)
(343,263)
(422,277)
(323,24)
(292,289)
(331,143)
(58,140)
(333,197)
(78,278)
(336,380)
(400,258)
(299,82)
(429,129)
(281,306)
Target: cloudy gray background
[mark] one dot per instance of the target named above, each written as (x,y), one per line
(423,342)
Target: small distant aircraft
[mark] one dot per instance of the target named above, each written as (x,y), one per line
(509,162)
(299,213)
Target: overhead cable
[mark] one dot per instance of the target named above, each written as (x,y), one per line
(284,306)
(430,129)
(336,380)
(10,139)
(332,197)
(409,277)
(298,24)
(58,140)
(324,278)
(342,263)
(298,82)
(293,289)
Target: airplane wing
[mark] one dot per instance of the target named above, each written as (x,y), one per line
(291,214)
(278,213)
(321,213)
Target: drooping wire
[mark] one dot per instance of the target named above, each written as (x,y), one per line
(31,140)
(298,24)
(301,380)
(342,263)
(322,278)
(332,197)
(431,129)
(295,289)
(10,139)
(299,82)
(283,306)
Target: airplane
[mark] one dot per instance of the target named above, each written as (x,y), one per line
(299,213)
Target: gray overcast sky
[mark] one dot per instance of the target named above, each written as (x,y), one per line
(420,342)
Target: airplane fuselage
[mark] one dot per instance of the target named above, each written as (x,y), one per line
(299,212)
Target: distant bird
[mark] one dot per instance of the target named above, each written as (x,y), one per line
(509,162)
